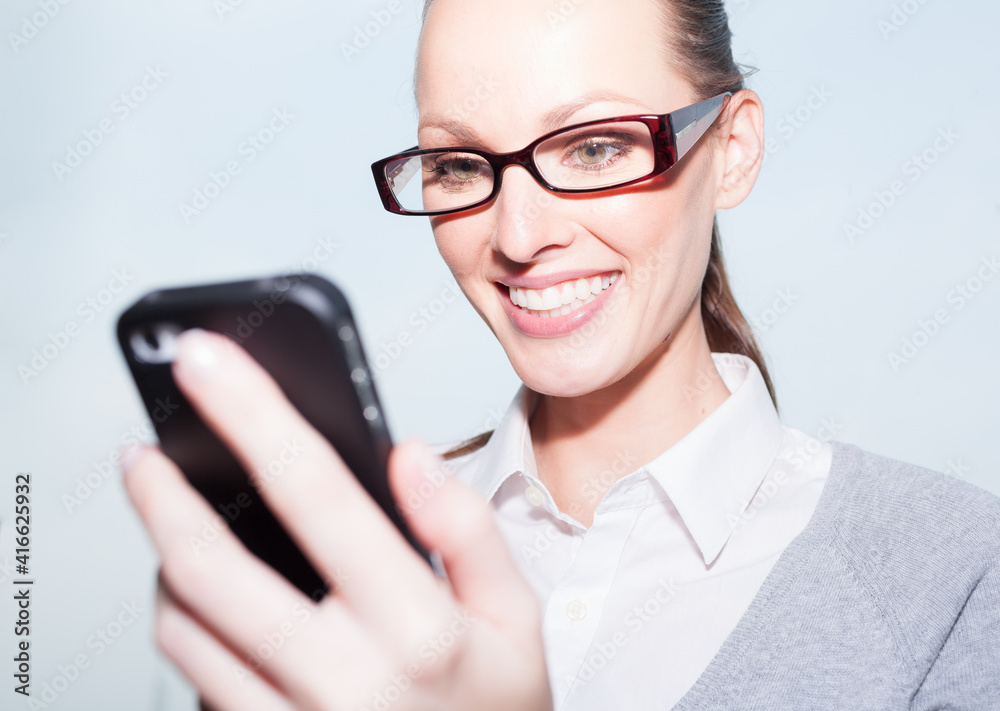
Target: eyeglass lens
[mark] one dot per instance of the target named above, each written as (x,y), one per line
(596,156)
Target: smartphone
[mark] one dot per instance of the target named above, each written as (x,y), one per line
(300,329)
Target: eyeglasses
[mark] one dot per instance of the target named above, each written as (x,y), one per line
(582,158)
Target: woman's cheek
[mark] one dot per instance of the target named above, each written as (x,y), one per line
(450,249)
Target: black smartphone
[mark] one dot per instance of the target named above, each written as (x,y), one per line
(300,329)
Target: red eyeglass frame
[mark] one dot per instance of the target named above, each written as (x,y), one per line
(668,145)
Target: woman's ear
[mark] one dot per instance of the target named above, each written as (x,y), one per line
(742,145)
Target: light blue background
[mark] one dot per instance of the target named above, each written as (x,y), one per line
(887,95)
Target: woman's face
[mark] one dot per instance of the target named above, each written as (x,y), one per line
(498,70)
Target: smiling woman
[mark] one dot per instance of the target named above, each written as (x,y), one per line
(640,530)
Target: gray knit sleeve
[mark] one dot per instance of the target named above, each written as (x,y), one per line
(966,674)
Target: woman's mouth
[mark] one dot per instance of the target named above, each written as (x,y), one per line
(560,308)
(561,299)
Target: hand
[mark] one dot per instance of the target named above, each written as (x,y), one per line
(393,635)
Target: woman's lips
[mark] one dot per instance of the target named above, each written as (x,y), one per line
(572,311)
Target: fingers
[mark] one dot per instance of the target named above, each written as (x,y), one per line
(224,681)
(454,519)
(348,668)
(325,510)
(210,572)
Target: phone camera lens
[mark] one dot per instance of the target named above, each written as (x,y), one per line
(154,343)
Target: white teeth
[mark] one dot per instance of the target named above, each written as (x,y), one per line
(561,299)
(551,298)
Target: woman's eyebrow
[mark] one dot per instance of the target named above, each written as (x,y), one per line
(551,120)
(558,116)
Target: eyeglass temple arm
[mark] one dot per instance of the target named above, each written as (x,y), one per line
(690,123)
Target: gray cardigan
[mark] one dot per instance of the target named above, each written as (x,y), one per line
(888,599)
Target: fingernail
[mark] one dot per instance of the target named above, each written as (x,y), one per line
(197,354)
(431,464)
(128,456)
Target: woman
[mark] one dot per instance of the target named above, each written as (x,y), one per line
(654,536)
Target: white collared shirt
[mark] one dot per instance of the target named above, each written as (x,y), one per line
(636,606)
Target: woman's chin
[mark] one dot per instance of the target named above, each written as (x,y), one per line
(562,377)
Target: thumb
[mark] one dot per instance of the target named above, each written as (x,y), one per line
(454,519)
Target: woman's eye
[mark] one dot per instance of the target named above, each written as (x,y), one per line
(594,153)
(465,169)
(461,168)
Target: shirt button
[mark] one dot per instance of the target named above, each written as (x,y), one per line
(534,495)
(576,610)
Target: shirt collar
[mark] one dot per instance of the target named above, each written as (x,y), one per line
(714,471)
(508,450)
(709,485)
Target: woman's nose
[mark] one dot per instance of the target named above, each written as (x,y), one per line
(530,219)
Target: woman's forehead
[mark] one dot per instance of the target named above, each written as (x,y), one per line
(530,54)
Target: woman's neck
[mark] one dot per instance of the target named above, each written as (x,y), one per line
(583,444)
